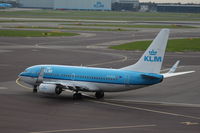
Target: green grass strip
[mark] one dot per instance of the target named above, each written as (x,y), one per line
(70,28)
(103,15)
(26,33)
(176,45)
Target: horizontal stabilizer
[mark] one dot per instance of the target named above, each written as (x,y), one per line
(173,69)
(171,73)
(167,75)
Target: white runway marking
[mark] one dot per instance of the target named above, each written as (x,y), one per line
(98,128)
(188,123)
(167,69)
(109,62)
(157,103)
(147,110)
(122,58)
(3,88)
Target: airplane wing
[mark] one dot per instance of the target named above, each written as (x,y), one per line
(74,85)
(172,73)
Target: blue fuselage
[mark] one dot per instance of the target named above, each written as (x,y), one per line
(95,76)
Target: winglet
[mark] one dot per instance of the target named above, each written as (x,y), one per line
(173,69)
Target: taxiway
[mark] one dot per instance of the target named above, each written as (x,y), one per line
(172,106)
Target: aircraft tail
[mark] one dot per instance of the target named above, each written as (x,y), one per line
(151,61)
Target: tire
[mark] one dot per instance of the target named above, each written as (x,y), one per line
(77,96)
(99,94)
(58,90)
(34,90)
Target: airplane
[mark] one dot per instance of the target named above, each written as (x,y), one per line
(54,79)
(4,5)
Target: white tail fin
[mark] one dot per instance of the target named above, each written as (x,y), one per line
(151,61)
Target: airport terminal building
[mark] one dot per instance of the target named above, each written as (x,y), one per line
(67,4)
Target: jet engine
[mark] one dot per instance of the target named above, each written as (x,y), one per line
(49,89)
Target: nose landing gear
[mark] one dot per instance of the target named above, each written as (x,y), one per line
(35,89)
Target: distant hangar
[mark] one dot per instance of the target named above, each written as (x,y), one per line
(68,4)
(80,4)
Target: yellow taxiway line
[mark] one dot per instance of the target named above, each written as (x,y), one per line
(17,82)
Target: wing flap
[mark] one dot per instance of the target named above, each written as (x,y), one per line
(75,85)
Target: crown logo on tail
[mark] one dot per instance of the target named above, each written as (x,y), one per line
(152,52)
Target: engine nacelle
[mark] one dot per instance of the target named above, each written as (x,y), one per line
(49,89)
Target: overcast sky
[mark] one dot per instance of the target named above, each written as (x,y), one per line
(172,1)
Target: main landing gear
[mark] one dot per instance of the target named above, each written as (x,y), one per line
(98,95)
(77,96)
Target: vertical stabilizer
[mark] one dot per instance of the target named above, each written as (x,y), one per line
(151,61)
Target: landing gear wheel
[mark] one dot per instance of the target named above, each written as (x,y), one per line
(77,96)
(35,89)
(58,90)
(99,94)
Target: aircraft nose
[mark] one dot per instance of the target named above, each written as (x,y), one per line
(20,76)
